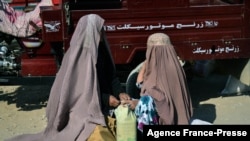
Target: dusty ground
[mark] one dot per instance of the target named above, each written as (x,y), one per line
(22,107)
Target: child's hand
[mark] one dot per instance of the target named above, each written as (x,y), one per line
(132,103)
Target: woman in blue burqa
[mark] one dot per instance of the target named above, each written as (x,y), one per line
(85,87)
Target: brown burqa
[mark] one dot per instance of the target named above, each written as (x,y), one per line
(165,81)
(73,109)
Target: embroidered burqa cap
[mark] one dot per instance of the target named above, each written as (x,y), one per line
(165,81)
(73,109)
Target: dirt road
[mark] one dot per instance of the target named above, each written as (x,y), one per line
(22,107)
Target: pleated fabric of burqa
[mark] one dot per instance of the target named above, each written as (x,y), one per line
(165,80)
(73,109)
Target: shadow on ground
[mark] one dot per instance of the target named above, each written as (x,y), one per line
(27,98)
(35,94)
(205,88)
(28,95)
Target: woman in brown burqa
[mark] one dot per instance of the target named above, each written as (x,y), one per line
(81,94)
(164,80)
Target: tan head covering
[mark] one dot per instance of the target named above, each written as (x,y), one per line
(158,39)
(73,109)
(165,81)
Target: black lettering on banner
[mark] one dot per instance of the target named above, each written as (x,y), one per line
(162,132)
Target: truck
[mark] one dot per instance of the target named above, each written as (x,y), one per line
(198,29)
